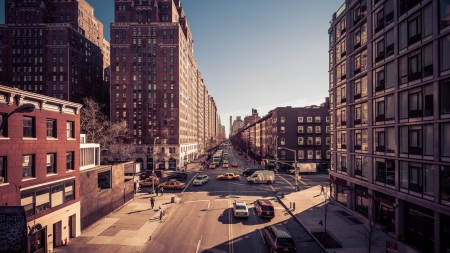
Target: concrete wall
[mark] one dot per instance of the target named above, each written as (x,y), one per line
(97,204)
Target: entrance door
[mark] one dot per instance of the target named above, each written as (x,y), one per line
(37,241)
(72,226)
(57,239)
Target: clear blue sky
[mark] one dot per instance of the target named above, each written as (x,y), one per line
(254,53)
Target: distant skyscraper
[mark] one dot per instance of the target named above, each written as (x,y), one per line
(156,86)
(55,48)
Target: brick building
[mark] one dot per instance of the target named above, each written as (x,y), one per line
(156,86)
(54,48)
(390,117)
(39,162)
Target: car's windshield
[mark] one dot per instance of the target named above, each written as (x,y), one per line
(199,178)
(287,242)
(240,207)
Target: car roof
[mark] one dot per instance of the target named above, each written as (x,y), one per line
(265,202)
(240,203)
(281,231)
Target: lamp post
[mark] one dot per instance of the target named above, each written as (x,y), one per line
(25,108)
(153,171)
(295,164)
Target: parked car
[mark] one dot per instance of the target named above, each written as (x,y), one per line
(279,239)
(240,209)
(178,176)
(172,184)
(264,208)
(201,179)
(249,171)
(145,174)
(149,181)
(228,176)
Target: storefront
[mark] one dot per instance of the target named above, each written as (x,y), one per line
(361,200)
(172,163)
(341,190)
(162,164)
(385,211)
(419,227)
(445,233)
(149,163)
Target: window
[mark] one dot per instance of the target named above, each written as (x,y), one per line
(51,128)
(309,129)
(341,140)
(384,171)
(361,166)
(51,163)
(42,199)
(309,119)
(444,6)
(104,180)
(444,177)
(28,169)
(300,119)
(282,120)
(340,28)
(300,141)
(360,36)
(300,129)
(384,77)
(444,56)
(29,128)
(283,155)
(282,142)
(3,167)
(57,195)
(416,178)
(383,108)
(444,89)
(4,131)
(310,141)
(318,154)
(318,141)
(417,102)
(341,163)
(360,11)
(360,62)
(416,27)
(383,16)
(406,5)
(301,154)
(282,130)
(384,46)
(341,72)
(384,140)
(69,161)
(318,129)
(340,50)
(413,140)
(310,154)
(317,119)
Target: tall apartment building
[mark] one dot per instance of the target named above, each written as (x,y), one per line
(39,166)
(237,123)
(390,116)
(155,83)
(54,48)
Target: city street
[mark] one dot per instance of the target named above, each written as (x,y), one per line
(203,221)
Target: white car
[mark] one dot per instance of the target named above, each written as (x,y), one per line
(240,209)
(201,179)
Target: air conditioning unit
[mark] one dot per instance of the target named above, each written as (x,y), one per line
(2,180)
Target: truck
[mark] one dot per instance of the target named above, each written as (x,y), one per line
(217,158)
(261,177)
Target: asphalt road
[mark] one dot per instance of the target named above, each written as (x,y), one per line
(203,221)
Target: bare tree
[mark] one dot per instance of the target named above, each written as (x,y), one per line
(326,205)
(370,233)
(112,137)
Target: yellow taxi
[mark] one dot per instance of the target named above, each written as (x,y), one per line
(228,176)
(225,164)
(212,166)
(172,184)
(149,181)
(234,164)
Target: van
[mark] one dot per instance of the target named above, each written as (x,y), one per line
(279,239)
(249,171)
(264,208)
(262,177)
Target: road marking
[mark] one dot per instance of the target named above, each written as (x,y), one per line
(272,187)
(198,245)
(192,201)
(189,182)
(256,221)
(285,180)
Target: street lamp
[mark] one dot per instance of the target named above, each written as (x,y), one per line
(25,108)
(295,164)
(153,171)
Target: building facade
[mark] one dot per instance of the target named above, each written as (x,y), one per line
(39,165)
(237,124)
(55,49)
(390,116)
(155,83)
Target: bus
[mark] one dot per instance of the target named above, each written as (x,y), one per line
(217,158)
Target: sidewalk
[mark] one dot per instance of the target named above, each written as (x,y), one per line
(342,223)
(126,230)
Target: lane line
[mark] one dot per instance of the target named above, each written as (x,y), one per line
(285,180)
(209,203)
(189,182)
(256,223)
(193,201)
(198,245)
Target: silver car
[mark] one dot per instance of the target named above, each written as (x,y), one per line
(240,209)
(201,179)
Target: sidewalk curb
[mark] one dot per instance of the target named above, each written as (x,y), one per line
(299,221)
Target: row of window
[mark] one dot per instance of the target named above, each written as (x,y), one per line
(414,178)
(309,154)
(29,165)
(317,119)
(309,129)
(309,141)
(29,128)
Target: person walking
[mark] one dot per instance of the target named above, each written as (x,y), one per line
(156,190)
(152,202)
(161,190)
(322,190)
